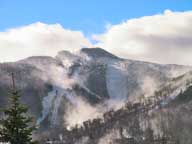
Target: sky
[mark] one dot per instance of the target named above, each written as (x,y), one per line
(90,16)
(149,30)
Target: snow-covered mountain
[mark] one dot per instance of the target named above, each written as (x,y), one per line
(73,87)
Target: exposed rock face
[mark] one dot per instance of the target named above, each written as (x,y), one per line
(52,86)
(98,53)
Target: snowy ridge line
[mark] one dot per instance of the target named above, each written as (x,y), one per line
(156,101)
(141,106)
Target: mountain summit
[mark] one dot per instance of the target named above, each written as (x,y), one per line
(98,53)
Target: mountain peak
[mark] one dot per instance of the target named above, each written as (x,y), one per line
(98,53)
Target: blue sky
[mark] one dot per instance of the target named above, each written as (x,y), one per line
(89,16)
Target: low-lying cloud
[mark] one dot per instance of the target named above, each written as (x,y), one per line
(161,38)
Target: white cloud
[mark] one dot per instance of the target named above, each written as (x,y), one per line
(39,39)
(162,38)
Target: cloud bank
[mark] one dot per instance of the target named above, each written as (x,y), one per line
(39,39)
(161,38)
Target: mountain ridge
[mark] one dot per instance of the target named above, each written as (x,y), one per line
(71,88)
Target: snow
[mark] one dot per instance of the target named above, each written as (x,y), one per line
(179,86)
(56,104)
(47,104)
(117,81)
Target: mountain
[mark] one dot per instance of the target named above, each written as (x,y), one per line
(71,88)
(98,53)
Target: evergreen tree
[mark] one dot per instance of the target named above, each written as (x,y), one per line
(15,126)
